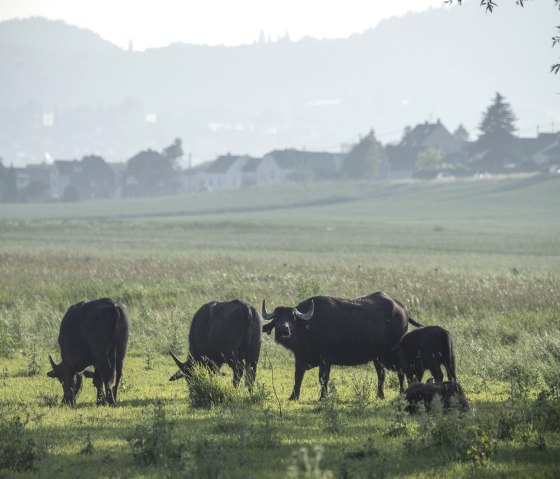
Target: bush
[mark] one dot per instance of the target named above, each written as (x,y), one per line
(153,442)
(18,450)
(207,389)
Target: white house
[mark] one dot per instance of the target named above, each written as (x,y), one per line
(225,173)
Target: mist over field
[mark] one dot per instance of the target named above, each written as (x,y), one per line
(405,159)
(67,92)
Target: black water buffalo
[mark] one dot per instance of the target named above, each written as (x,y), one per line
(423,394)
(427,348)
(228,332)
(322,331)
(92,333)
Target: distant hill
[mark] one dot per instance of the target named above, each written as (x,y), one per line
(445,63)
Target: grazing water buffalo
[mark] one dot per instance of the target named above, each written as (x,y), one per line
(427,348)
(92,333)
(423,394)
(228,332)
(322,331)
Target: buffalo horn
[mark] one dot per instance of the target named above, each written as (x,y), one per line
(265,315)
(53,364)
(306,316)
(177,361)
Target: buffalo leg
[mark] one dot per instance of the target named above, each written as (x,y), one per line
(250,374)
(300,372)
(98,383)
(401,381)
(437,374)
(107,375)
(380,379)
(324,374)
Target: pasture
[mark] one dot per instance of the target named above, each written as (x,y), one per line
(480,258)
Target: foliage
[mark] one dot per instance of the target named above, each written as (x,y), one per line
(18,450)
(364,159)
(498,121)
(430,159)
(153,442)
(207,389)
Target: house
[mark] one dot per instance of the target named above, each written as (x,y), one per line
(431,135)
(290,165)
(226,172)
(249,172)
(399,161)
(194,179)
(61,174)
(33,181)
(539,152)
(89,178)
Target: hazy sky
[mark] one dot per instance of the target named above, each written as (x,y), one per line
(230,22)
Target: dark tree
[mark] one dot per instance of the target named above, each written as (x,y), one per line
(491,4)
(175,150)
(150,173)
(497,138)
(498,121)
(362,162)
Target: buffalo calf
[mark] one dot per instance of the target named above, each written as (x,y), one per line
(92,333)
(423,394)
(427,348)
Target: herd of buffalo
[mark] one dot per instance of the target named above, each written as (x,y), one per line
(320,331)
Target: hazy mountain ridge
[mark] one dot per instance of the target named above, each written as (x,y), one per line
(443,63)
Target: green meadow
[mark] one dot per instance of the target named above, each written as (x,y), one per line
(480,258)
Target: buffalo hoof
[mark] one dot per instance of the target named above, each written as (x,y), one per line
(293,397)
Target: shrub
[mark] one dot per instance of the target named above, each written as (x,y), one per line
(207,389)
(330,410)
(18,450)
(153,441)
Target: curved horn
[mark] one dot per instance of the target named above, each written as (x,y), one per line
(177,361)
(306,316)
(265,314)
(53,364)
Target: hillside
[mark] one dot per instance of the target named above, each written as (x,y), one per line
(445,63)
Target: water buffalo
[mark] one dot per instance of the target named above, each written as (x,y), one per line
(223,332)
(423,394)
(322,331)
(92,333)
(427,348)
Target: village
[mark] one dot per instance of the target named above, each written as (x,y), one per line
(426,151)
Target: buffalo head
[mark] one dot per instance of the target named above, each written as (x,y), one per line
(185,369)
(71,381)
(284,321)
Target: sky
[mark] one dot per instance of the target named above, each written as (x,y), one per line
(151,24)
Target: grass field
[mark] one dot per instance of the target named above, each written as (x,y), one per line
(480,258)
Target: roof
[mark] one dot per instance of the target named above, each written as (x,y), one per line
(66,167)
(320,162)
(251,165)
(222,164)
(418,135)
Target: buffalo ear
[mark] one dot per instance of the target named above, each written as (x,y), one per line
(88,373)
(267,328)
(51,374)
(178,375)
